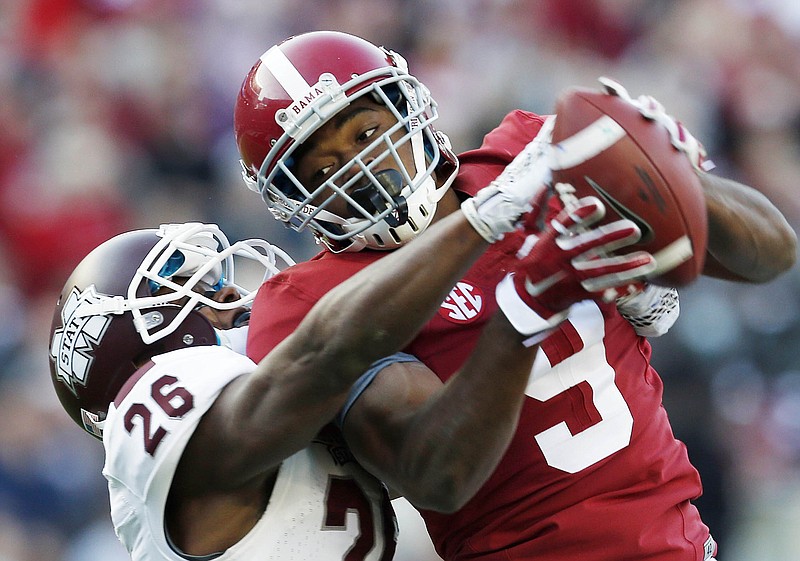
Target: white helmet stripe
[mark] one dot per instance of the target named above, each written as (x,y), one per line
(285,72)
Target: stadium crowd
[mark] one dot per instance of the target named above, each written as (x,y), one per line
(117,114)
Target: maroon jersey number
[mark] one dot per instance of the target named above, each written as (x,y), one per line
(345,495)
(175,402)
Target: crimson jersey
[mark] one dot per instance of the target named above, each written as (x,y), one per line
(593,472)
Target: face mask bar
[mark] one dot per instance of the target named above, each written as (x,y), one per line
(193,240)
(367,183)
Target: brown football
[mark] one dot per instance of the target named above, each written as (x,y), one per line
(606,148)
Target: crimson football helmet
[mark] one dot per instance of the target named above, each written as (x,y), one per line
(137,295)
(299,85)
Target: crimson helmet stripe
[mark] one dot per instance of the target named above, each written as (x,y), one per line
(285,72)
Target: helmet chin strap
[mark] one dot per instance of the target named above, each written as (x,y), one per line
(371,200)
(435,193)
(360,241)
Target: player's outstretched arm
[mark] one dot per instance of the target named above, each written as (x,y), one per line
(748,238)
(437,443)
(263,418)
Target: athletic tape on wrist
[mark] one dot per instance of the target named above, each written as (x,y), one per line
(470,210)
(524,319)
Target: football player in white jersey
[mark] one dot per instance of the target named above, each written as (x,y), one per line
(209,455)
(147,334)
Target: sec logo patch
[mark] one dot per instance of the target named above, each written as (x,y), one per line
(463,305)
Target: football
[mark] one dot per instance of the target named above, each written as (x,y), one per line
(604,146)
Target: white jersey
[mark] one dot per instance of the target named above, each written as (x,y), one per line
(323,505)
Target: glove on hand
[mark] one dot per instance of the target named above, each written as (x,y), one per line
(651,109)
(496,209)
(652,311)
(570,262)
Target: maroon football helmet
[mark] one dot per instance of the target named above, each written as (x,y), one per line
(299,85)
(136,296)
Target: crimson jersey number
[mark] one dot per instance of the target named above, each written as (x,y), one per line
(174,401)
(574,452)
(345,495)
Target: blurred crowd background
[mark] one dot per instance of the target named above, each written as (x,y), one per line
(117,114)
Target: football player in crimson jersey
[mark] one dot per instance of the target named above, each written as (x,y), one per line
(338,137)
(210,455)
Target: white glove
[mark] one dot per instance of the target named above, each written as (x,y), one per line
(651,312)
(651,109)
(568,262)
(495,210)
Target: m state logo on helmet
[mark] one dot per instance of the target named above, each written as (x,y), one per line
(95,349)
(299,85)
(75,340)
(122,305)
